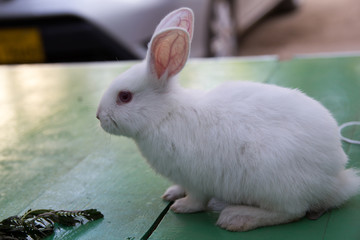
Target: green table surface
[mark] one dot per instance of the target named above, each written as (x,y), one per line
(53,154)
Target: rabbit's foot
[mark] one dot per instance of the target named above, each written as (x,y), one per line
(245,218)
(174,192)
(188,204)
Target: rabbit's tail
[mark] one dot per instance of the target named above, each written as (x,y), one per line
(346,186)
(343,187)
(349,184)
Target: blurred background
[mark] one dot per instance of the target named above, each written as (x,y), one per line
(47,31)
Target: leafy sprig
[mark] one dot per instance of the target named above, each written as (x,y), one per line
(38,224)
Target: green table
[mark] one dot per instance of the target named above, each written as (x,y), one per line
(53,153)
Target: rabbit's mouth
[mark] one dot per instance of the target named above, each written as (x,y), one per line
(113,122)
(109,124)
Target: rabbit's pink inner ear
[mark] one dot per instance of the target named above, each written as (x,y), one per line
(182,17)
(169,52)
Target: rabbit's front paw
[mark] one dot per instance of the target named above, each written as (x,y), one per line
(188,205)
(174,192)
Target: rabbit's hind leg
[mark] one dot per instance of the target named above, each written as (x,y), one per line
(245,218)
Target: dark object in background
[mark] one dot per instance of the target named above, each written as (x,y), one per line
(61,39)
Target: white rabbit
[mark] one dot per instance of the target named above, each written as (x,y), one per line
(271,153)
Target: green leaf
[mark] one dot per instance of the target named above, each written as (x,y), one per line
(38,224)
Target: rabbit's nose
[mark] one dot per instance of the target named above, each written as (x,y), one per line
(98,114)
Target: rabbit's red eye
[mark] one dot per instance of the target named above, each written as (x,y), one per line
(124,97)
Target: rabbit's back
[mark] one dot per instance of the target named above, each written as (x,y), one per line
(282,140)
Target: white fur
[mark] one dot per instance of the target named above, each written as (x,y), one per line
(273,149)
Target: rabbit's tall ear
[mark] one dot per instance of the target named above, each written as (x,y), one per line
(182,18)
(168,53)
